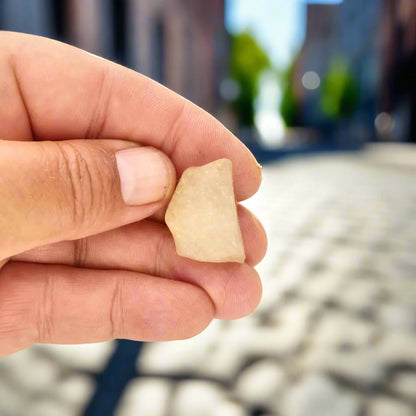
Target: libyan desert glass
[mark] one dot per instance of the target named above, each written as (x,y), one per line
(202,215)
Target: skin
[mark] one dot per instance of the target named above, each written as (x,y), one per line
(97,269)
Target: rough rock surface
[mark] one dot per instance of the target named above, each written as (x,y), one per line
(202,215)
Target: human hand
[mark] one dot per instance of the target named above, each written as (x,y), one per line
(78,263)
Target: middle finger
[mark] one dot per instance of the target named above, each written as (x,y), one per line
(148,247)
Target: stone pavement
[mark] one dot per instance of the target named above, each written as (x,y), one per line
(334,335)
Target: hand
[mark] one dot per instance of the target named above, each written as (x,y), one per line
(84,253)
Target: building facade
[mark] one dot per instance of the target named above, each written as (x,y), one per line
(399,67)
(349,31)
(180,43)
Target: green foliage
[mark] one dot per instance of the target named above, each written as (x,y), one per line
(340,93)
(289,106)
(248,60)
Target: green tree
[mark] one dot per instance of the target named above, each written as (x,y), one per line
(340,92)
(289,106)
(248,60)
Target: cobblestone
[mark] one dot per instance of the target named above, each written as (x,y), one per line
(362,368)
(145,397)
(398,348)
(229,408)
(324,287)
(294,312)
(30,372)
(317,395)
(74,389)
(48,407)
(87,357)
(179,356)
(404,383)
(344,258)
(385,406)
(340,329)
(394,316)
(252,392)
(12,398)
(335,332)
(197,398)
(359,294)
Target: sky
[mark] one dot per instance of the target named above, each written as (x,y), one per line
(278,25)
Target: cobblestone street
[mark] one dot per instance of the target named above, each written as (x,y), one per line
(334,335)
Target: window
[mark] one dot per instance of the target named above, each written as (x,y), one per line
(158,51)
(58,16)
(120,30)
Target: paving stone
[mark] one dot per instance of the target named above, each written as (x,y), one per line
(353,248)
(229,355)
(179,356)
(260,383)
(18,359)
(291,227)
(345,258)
(338,329)
(310,249)
(279,341)
(12,399)
(408,236)
(323,287)
(317,395)
(294,312)
(273,292)
(88,357)
(32,373)
(363,368)
(75,390)
(385,406)
(333,228)
(405,261)
(370,236)
(291,274)
(231,351)
(404,383)
(398,316)
(229,408)
(274,259)
(243,341)
(145,397)
(398,348)
(402,290)
(359,294)
(197,398)
(47,407)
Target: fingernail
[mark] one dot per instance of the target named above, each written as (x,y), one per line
(145,175)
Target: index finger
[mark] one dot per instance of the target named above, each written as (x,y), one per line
(68,93)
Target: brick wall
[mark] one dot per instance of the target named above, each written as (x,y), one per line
(180,43)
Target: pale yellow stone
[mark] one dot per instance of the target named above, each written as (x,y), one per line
(202,215)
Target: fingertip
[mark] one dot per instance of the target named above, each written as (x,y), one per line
(146,175)
(247,172)
(243,294)
(170,183)
(187,311)
(254,236)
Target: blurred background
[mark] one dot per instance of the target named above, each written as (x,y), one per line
(324,93)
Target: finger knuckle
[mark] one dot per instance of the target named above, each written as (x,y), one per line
(89,184)
(44,317)
(116,316)
(17,329)
(100,109)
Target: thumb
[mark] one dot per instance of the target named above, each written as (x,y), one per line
(65,190)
